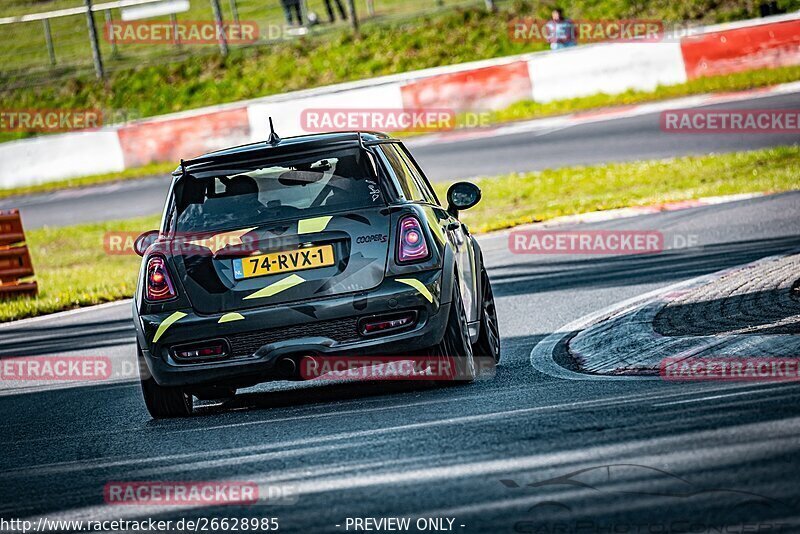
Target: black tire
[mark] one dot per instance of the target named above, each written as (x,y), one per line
(488,344)
(455,346)
(163,402)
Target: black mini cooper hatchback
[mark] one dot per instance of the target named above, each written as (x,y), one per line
(317,246)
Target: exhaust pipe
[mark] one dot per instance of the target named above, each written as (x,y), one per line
(287,368)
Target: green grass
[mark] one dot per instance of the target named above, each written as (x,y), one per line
(741,81)
(25,53)
(194,78)
(519,111)
(538,196)
(73,269)
(454,36)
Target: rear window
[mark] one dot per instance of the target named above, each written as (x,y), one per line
(276,190)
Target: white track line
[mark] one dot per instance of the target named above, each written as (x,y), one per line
(68,313)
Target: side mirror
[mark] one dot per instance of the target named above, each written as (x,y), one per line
(462,196)
(144,241)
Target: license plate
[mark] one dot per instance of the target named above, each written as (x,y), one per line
(283,262)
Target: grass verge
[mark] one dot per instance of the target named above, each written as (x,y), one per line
(390,46)
(741,81)
(450,37)
(517,199)
(74,270)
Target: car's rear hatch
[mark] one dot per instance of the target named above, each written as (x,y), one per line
(291,260)
(282,229)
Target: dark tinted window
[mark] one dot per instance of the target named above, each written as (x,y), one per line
(275,190)
(404,174)
(419,178)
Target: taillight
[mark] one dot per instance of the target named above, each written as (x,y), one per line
(158,284)
(380,324)
(411,241)
(216,349)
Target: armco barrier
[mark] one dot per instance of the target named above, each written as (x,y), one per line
(478,86)
(15,259)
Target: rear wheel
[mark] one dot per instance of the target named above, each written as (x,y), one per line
(455,346)
(163,402)
(488,344)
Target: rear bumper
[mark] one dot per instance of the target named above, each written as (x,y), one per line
(316,327)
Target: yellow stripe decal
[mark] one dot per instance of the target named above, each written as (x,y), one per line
(419,286)
(273,289)
(311,226)
(169,321)
(231,317)
(218,242)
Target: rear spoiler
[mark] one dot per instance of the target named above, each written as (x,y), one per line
(288,146)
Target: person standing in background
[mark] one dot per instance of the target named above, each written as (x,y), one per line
(292,7)
(560,31)
(339,5)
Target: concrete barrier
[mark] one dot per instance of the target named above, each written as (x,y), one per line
(286,114)
(742,49)
(55,157)
(487,88)
(609,68)
(168,139)
(480,86)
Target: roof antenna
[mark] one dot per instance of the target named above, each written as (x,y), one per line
(183,169)
(273,137)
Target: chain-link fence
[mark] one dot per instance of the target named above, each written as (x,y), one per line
(67,40)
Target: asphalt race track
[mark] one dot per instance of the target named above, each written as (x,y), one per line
(523,452)
(623,139)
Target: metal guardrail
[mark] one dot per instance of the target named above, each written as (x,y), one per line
(88,10)
(15,258)
(76,11)
(61,43)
